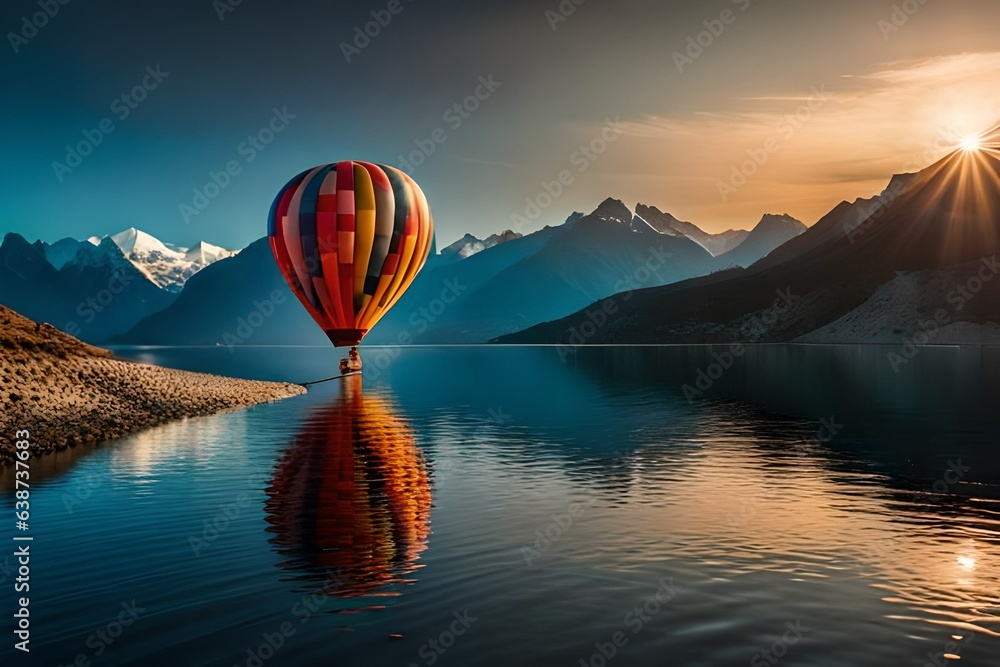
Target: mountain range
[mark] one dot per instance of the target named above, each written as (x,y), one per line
(165,266)
(915,263)
(717,244)
(466,294)
(99,288)
(133,288)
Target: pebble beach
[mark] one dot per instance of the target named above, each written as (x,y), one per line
(66,393)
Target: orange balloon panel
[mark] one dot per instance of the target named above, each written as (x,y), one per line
(349,238)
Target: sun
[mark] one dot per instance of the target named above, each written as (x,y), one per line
(971,143)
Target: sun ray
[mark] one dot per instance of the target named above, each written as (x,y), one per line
(969,211)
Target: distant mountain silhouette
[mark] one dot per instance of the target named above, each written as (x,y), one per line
(717,244)
(498,290)
(771,232)
(947,215)
(611,210)
(570,266)
(94,296)
(846,219)
(669,287)
(30,284)
(235,301)
(61,252)
(216,305)
(469,245)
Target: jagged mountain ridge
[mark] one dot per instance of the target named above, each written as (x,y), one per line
(942,217)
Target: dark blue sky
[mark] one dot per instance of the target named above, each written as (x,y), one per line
(224,79)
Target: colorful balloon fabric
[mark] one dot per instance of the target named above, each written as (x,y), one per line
(349,239)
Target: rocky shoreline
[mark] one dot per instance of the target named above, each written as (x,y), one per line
(67,393)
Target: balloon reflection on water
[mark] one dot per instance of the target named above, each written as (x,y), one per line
(350,500)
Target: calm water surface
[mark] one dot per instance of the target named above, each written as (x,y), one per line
(506,506)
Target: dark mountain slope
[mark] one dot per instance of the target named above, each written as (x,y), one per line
(949,215)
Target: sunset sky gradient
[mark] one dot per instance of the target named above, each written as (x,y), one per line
(896,96)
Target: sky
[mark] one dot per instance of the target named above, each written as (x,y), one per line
(185,118)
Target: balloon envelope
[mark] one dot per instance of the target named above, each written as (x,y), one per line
(349,239)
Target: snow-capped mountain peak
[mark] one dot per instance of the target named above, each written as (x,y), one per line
(169,267)
(135,242)
(204,254)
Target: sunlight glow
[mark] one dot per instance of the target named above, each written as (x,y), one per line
(971,143)
(967,562)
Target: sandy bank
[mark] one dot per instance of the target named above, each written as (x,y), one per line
(65,392)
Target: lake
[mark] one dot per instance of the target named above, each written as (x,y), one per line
(797,505)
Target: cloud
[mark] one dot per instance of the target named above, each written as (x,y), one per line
(895,117)
(958,90)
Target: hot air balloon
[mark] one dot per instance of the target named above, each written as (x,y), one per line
(349,239)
